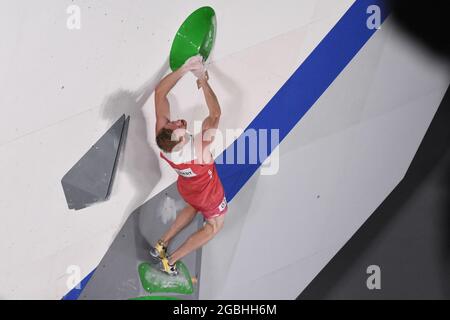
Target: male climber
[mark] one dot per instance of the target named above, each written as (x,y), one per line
(198,181)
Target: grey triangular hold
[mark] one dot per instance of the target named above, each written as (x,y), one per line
(89,180)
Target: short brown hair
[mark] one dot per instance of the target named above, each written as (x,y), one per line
(165,141)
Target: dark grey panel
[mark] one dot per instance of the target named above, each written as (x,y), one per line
(117,276)
(408,236)
(90,179)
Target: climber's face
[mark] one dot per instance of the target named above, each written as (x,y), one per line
(178,127)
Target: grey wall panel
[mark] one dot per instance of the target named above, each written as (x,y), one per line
(117,276)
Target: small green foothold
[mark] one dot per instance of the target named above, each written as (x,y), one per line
(154,280)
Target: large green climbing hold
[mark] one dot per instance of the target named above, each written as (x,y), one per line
(154,280)
(195,36)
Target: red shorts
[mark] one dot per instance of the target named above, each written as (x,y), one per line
(220,210)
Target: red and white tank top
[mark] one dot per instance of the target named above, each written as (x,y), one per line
(198,183)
